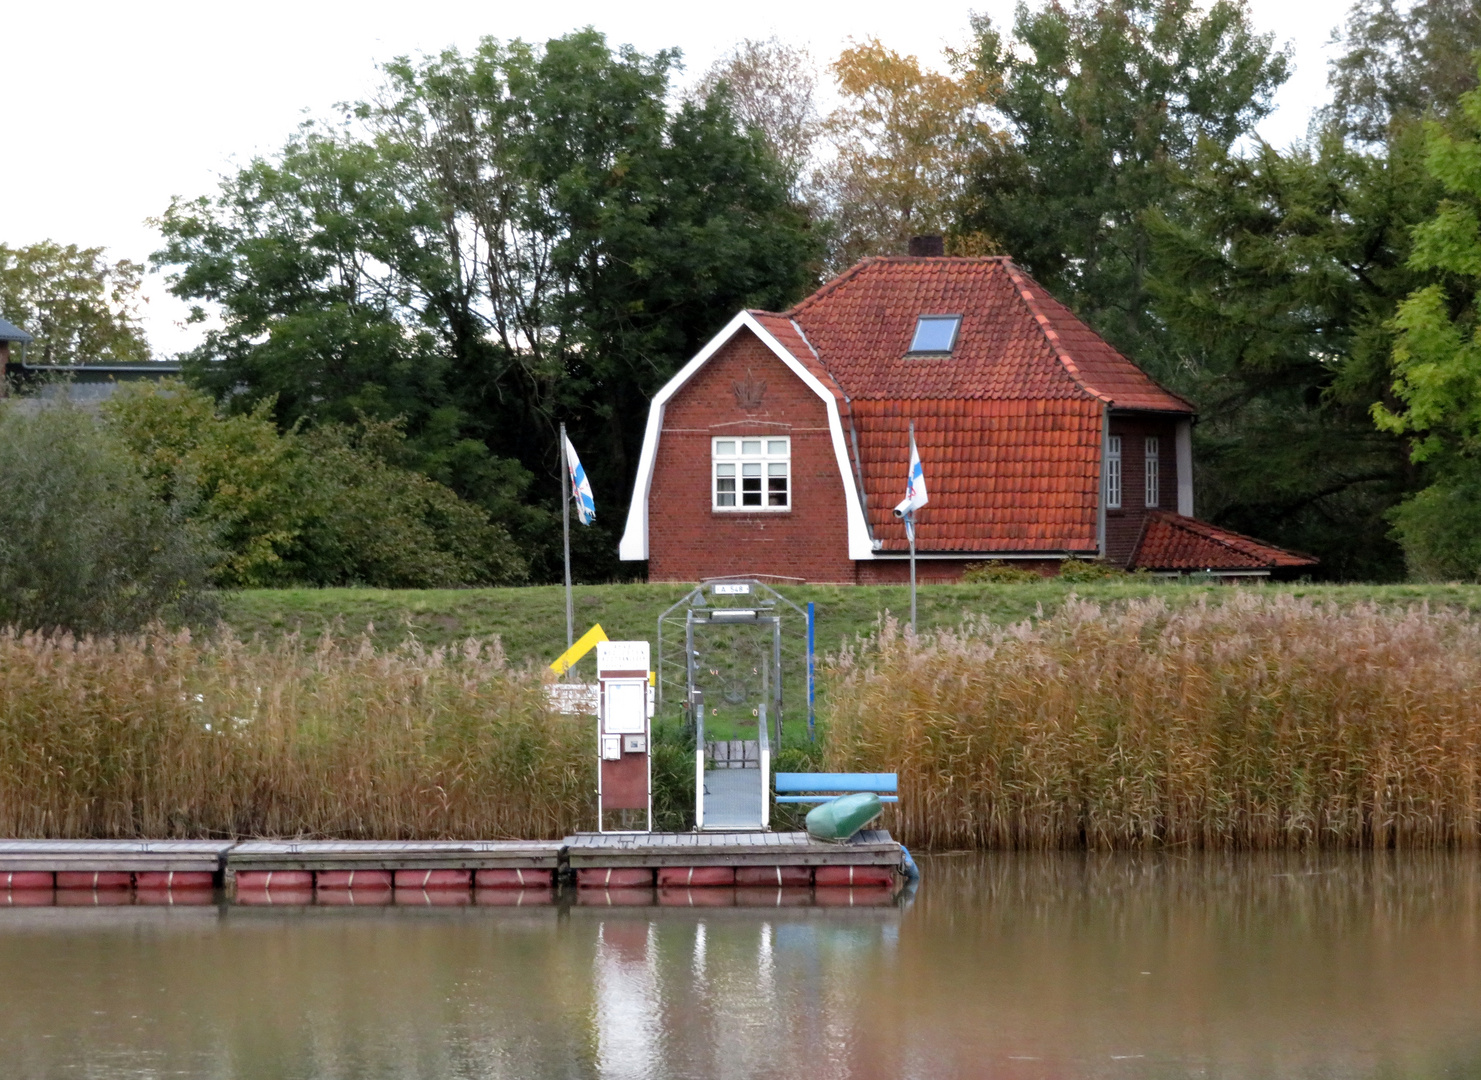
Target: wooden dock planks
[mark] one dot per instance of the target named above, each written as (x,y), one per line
(114,856)
(395,855)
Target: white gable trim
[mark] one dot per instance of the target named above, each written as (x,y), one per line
(634,545)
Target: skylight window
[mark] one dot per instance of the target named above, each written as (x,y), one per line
(935,333)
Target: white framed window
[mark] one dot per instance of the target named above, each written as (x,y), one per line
(1153,467)
(752,474)
(1113,472)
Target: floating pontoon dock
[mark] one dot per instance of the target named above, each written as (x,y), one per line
(591,860)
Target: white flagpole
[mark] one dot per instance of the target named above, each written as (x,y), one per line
(566,526)
(911,531)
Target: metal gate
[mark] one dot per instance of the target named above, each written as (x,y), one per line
(735,674)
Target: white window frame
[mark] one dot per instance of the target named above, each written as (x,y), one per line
(770,462)
(1152,469)
(1113,472)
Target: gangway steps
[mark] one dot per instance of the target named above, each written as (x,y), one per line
(732,798)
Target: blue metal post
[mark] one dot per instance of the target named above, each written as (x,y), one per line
(812,623)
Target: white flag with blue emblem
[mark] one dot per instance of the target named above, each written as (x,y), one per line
(915,491)
(586,507)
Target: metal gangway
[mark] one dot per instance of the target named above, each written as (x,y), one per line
(733,667)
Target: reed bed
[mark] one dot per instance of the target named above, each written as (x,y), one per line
(164,735)
(1259,722)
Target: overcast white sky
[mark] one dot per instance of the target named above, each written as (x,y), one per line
(109,108)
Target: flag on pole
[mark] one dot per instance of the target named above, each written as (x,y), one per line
(586,507)
(915,491)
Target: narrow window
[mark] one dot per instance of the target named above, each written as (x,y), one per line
(1113,473)
(935,334)
(1154,480)
(752,474)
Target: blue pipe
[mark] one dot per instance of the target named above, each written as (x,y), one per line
(907,865)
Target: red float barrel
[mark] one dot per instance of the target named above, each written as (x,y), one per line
(500,878)
(94,897)
(88,879)
(361,897)
(854,875)
(174,879)
(434,879)
(782,877)
(695,877)
(616,877)
(26,879)
(353,879)
(273,880)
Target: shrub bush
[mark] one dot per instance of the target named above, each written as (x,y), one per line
(327,506)
(83,545)
(997,572)
(1089,570)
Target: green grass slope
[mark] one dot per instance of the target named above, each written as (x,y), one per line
(531,621)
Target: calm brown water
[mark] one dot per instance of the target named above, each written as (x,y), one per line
(1005,966)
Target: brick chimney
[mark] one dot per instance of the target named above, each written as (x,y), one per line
(927,247)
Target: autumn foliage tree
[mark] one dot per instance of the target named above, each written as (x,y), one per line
(903,139)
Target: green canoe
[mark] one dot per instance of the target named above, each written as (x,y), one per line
(840,818)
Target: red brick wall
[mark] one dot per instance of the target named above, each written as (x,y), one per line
(1124,526)
(687,540)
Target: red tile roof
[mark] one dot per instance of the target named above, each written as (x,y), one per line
(1009,476)
(1015,340)
(1173,542)
(1008,425)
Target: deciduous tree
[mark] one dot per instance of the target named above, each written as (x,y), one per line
(496,242)
(1108,103)
(902,141)
(78,306)
(1437,359)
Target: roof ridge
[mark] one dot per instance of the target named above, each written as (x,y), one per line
(1061,353)
(831,286)
(1119,354)
(870,260)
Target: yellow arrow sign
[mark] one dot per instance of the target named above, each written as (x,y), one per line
(584,644)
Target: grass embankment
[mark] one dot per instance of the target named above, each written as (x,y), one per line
(531,622)
(1266,721)
(164,736)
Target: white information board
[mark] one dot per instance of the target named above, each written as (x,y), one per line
(627,707)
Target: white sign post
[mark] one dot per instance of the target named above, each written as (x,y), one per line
(624,730)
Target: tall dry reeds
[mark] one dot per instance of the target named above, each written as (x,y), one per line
(1259,722)
(161,735)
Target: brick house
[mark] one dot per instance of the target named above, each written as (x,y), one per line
(781,447)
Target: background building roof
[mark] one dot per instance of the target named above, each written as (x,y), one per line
(1172,542)
(9,331)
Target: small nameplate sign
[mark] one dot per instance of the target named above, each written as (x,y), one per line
(739,589)
(574,699)
(622,656)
